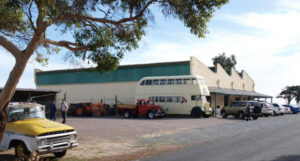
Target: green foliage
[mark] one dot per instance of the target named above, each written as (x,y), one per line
(102,30)
(226,62)
(289,93)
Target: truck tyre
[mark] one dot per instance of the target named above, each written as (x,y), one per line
(150,115)
(241,115)
(223,113)
(196,112)
(21,150)
(127,114)
(254,117)
(60,154)
(257,109)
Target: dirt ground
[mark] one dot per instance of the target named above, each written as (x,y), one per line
(124,139)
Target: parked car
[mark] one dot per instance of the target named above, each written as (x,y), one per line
(238,109)
(276,110)
(28,130)
(266,109)
(280,109)
(293,109)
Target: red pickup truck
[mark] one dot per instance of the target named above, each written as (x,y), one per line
(144,107)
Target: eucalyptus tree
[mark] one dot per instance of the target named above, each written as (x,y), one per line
(101,30)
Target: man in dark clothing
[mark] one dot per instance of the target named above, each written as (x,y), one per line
(248,112)
(53,111)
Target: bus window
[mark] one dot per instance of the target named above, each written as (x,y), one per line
(142,83)
(156,82)
(170,81)
(162,99)
(194,81)
(178,81)
(194,98)
(186,81)
(163,82)
(176,99)
(183,99)
(148,82)
(155,99)
(169,99)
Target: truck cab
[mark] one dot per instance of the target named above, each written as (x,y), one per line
(28,130)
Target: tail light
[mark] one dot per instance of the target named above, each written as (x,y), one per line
(279,108)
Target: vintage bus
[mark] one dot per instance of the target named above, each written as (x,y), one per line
(178,95)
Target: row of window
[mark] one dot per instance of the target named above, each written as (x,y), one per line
(168,99)
(178,81)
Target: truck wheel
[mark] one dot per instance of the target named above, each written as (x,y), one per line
(254,117)
(21,150)
(60,154)
(224,115)
(150,115)
(241,115)
(127,114)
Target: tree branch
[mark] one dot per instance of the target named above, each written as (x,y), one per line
(9,46)
(74,47)
(103,20)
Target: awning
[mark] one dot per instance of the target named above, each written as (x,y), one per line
(226,91)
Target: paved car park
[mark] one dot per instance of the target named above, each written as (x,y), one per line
(130,139)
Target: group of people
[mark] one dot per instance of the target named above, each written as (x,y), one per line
(63,108)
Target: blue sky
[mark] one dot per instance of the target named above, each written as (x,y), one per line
(263,34)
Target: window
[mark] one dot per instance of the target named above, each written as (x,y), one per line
(183,99)
(170,81)
(193,98)
(194,81)
(148,82)
(254,104)
(169,99)
(176,99)
(156,82)
(243,104)
(142,83)
(163,82)
(155,99)
(178,81)
(186,81)
(162,99)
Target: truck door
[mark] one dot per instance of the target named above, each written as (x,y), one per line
(142,107)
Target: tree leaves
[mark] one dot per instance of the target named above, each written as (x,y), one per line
(226,62)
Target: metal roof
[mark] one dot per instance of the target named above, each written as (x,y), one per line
(227,91)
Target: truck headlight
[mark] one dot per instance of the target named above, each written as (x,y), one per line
(42,142)
(73,137)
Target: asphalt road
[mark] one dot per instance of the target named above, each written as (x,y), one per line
(267,139)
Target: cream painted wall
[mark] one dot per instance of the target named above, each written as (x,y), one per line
(77,93)
(221,78)
(220,100)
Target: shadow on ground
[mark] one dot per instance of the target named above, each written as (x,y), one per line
(10,157)
(287,158)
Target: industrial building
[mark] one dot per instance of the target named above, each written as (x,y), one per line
(85,85)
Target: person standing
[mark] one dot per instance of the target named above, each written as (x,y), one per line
(64,108)
(53,110)
(248,112)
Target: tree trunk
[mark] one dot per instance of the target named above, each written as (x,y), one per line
(9,90)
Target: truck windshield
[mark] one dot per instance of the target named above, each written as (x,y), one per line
(22,113)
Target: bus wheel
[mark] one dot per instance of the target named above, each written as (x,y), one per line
(196,112)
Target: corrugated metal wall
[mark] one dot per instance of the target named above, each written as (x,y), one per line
(133,73)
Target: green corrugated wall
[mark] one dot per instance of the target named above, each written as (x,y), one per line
(130,73)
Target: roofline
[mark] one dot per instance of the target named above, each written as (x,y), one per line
(35,90)
(119,67)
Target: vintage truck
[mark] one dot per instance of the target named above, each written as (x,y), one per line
(144,107)
(28,130)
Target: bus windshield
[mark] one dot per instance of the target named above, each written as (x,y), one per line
(22,113)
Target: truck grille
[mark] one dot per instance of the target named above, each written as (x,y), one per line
(59,139)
